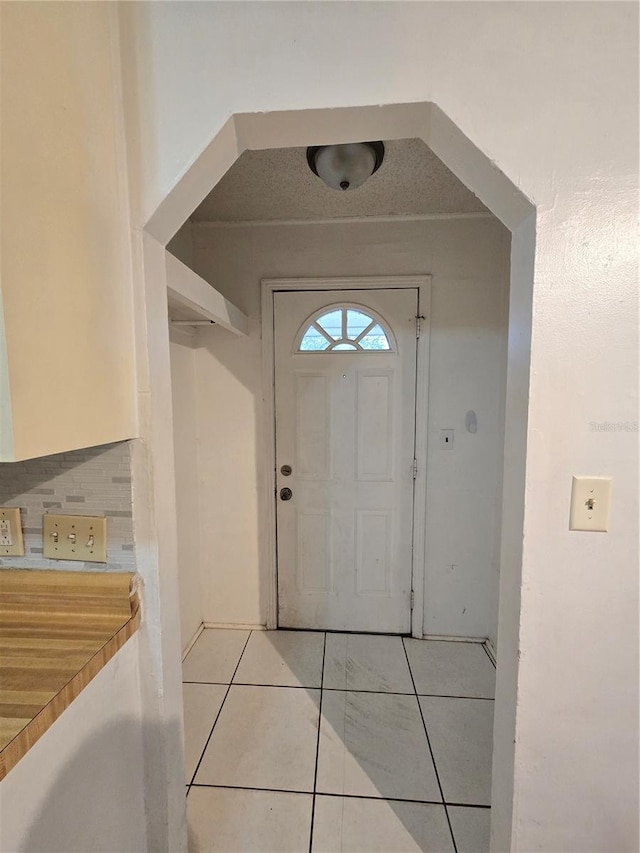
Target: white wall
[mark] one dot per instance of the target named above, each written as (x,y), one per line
(468,259)
(186,453)
(80,788)
(155,530)
(68,378)
(549,93)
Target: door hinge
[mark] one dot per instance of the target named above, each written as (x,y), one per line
(413,599)
(419,319)
(415,468)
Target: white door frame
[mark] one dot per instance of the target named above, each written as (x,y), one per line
(422,283)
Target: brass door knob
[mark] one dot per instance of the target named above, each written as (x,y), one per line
(286,494)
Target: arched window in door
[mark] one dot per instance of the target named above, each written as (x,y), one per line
(345,328)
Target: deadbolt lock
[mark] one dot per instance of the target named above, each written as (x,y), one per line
(286,494)
(286,470)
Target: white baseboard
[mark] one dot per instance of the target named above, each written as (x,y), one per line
(192,641)
(492,652)
(454,639)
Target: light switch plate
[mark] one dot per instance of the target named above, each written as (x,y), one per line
(11,542)
(590,504)
(75,537)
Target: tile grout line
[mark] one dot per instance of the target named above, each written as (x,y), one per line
(218,714)
(340,796)
(315,772)
(433,759)
(346,690)
(455,696)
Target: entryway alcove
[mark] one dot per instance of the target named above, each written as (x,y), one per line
(236,380)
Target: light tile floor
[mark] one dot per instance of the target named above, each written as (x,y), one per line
(305,741)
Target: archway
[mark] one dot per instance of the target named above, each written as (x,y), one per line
(498,193)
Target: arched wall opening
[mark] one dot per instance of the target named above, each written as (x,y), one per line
(497,192)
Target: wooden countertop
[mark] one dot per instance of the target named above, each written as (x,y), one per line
(57,631)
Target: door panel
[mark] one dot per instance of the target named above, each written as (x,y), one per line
(374,424)
(313,552)
(313,419)
(345,425)
(373,551)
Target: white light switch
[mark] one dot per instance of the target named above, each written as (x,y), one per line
(590,503)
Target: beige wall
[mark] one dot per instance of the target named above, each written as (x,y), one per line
(68,378)
(468,259)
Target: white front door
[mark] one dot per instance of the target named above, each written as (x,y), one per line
(345,373)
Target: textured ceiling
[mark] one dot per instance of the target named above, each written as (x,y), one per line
(277,184)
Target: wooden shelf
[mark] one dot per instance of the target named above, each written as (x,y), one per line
(57,631)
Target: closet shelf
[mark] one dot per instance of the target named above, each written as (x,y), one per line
(191,298)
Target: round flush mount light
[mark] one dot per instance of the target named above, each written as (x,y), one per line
(345,167)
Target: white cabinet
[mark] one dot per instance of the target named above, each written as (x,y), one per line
(67,364)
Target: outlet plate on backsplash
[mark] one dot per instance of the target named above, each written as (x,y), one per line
(75,537)
(11,543)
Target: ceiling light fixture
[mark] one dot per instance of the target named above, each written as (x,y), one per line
(345,167)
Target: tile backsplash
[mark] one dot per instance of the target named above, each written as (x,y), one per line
(92,481)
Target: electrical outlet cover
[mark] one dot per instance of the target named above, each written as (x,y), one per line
(12,526)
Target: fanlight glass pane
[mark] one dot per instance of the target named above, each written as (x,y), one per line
(357,322)
(313,341)
(332,323)
(344,329)
(374,339)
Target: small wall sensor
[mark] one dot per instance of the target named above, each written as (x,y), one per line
(446,439)
(471,421)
